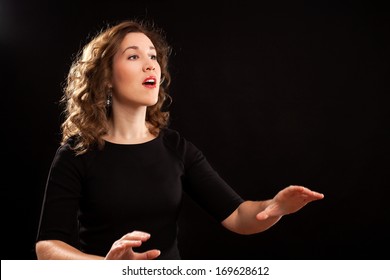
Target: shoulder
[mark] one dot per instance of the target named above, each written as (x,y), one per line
(171,136)
(68,152)
(175,139)
(68,149)
(184,148)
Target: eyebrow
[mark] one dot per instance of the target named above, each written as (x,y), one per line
(136,48)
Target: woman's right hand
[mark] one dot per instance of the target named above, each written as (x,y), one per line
(122,249)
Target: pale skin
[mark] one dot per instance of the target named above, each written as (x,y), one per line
(134,62)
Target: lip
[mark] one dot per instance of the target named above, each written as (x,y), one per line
(149,79)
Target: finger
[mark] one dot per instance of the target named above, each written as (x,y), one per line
(119,248)
(318,195)
(122,244)
(266,213)
(148,255)
(312,193)
(262,216)
(136,235)
(305,191)
(310,196)
(293,190)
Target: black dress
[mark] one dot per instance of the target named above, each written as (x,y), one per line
(94,199)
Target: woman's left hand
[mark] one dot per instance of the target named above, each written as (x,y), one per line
(289,200)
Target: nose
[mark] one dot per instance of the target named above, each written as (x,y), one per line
(149,67)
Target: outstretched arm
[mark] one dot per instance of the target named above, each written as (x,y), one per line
(257,216)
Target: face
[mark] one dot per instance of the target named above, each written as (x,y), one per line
(136,72)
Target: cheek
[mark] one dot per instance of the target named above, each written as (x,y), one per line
(123,74)
(158,69)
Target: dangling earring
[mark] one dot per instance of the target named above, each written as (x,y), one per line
(109,97)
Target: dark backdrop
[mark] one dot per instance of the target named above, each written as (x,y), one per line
(273,95)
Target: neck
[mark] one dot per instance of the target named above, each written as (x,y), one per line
(129,127)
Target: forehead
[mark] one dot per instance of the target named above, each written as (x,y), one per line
(136,39)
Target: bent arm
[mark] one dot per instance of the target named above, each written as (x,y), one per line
(121,249)
(257,216)
(59,250)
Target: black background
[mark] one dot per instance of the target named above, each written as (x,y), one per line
(272,94)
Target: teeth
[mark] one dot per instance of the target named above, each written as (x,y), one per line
(150,81)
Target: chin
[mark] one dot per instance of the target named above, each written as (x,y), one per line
(151,103)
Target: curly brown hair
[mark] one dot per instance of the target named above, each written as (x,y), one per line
(86,89)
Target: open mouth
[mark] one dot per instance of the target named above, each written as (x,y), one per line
(149,82)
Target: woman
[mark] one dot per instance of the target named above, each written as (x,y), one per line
(115,185)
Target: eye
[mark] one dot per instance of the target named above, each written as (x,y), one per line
(132,57)
(153,56)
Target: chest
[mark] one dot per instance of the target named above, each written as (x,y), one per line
(130,183)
